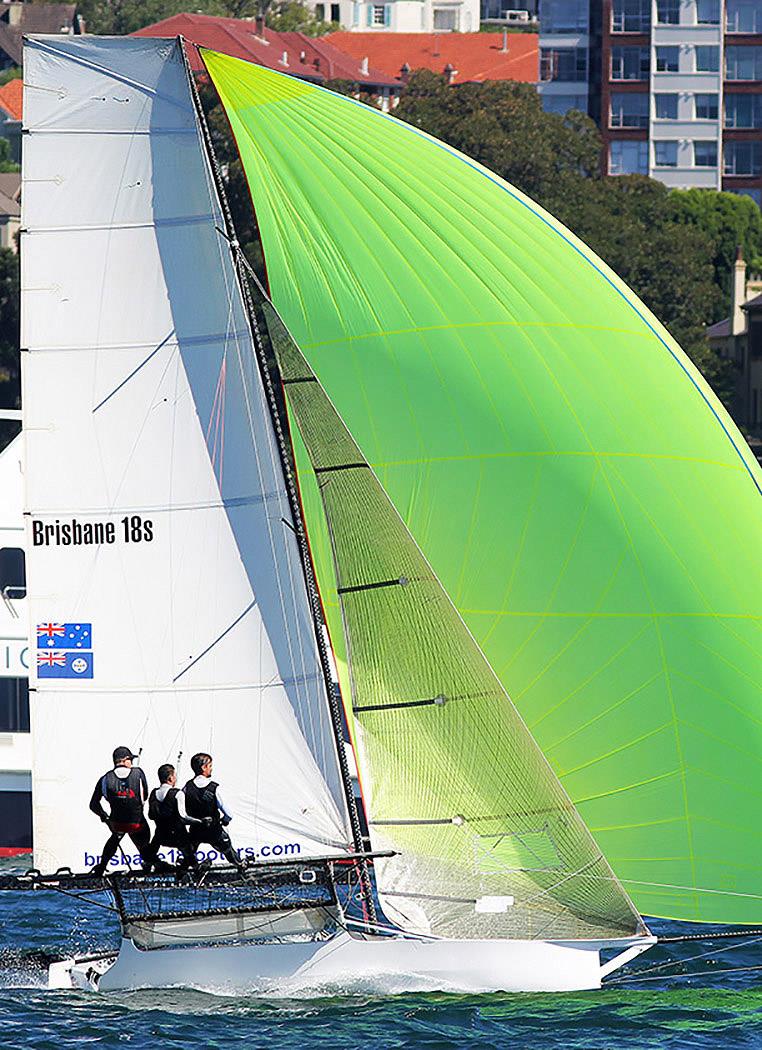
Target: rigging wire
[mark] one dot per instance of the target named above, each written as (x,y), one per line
(682,962)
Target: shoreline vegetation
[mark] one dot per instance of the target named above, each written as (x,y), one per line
(674,248)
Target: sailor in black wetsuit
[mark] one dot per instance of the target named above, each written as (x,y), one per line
(166,808)
(125,789)
(204,802)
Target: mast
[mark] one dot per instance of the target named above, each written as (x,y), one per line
(286,456)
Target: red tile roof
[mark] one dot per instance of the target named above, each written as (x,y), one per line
(10,97)
(474,56)
(306,57)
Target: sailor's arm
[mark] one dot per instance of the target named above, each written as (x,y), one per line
(182,811)
(227,816)
(96,801)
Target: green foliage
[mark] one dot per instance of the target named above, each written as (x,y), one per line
(292,16)
(12,73)
(502,125)
(6,164)
(120,17)
(729,220)
(10,386)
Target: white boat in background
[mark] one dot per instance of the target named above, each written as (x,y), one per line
(15,740)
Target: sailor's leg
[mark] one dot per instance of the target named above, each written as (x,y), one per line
(224,846)
(110,848)
(187,850)
(142,838)
(149,859)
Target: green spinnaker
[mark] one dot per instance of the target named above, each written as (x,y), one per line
(580,492)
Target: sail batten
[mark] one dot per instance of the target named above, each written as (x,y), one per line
(172,594)
(458,788)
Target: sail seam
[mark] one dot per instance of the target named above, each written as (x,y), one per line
(219,638)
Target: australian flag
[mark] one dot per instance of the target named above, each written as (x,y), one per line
(64,650)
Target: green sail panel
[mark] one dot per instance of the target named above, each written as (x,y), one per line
(574,484)
(488,843)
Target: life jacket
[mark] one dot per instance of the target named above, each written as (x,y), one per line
(202,802)
(164,812)
(124,796)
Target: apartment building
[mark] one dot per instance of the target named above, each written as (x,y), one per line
(674,85)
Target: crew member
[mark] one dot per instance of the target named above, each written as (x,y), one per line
(125,790)
(203,801)
(166,808)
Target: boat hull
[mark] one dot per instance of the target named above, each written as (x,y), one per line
(346,964)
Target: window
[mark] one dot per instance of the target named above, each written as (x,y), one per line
(335,13)
(707,59)
(564,16)
(743,63)
(743,111)
(705,153)
(708,12)
(744,16)
(665,107)
(630,63)
(14,705)
(445,19)
(12,572)
(706,107)
(665,154)
(320,12)
(667,59)
(743,158)
(628,158)
(378,15)
(631,16)
(563,103)
(563,63)
(668,12)
(355,14)
(629,111)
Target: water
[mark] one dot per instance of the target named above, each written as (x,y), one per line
(713,1009)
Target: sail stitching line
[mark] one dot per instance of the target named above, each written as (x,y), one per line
(135,371)
(227,630)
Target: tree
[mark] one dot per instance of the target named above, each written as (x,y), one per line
(10,294)
(730,220)
(503,126)
(119,17)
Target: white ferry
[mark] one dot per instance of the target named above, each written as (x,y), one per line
(15,742)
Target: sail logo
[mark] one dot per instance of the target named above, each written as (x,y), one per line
(64,650)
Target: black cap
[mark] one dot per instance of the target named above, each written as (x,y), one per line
(122,752)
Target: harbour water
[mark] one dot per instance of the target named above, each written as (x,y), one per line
(716,1003)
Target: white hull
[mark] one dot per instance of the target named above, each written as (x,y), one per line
(345,964)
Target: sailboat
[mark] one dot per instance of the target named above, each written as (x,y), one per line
(175,606)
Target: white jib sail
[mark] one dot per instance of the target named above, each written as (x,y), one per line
(167,601)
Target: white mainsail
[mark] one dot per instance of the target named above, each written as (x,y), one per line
(162,564)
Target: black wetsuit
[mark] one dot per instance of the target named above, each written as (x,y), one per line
(201,803)
(171,829)
(125,796)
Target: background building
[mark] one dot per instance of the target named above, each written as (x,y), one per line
(674,85)
(401,16)
(739,339)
